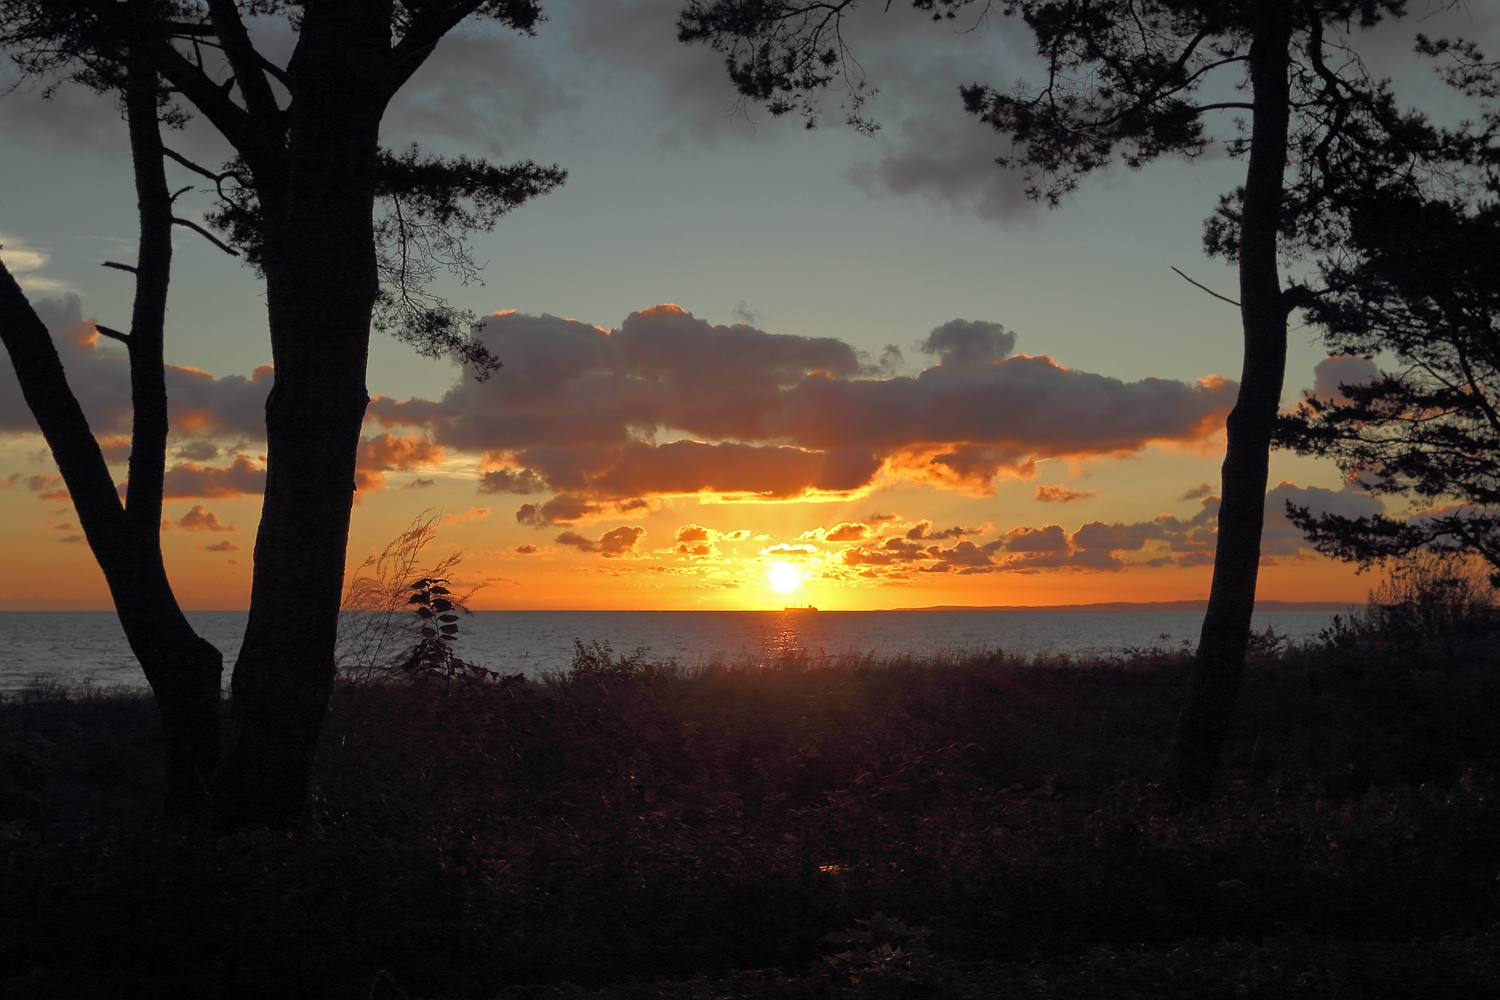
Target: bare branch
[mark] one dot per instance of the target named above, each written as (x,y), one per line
(1207,289)
(206,235)
(118,266)
(112,333)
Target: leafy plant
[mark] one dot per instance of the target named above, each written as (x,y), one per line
(436,626)
(376,629)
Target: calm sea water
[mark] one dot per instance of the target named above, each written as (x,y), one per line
(77,647)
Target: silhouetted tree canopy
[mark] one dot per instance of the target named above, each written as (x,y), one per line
(300,201)
(432,203)
(1415,282)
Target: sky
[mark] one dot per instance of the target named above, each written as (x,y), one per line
(746,365)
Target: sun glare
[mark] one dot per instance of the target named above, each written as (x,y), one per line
(784,577)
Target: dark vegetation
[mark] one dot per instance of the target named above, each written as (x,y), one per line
(969,826)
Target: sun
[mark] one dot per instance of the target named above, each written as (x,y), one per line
(784,577)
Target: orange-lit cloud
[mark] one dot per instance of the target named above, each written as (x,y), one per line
(391,453)
(1099,547)
(581,412)
(198,519)
(189,479)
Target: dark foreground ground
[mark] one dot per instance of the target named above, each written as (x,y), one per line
(983,828)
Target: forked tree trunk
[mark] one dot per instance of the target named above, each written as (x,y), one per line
(182,668)
(321,283)
(1205,718)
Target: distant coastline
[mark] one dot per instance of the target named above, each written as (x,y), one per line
(1199,605)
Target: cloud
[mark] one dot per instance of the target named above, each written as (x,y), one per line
(224,546)
(511,480)
(391,453)
(469,515)
(419,484)
(1197,492)
(695,100)
(1062,493)
(482,86)
(965,342)
(47,485)
(526,550)
(74,120)
(1099,547)
(923,530)
(612,544)
(198,519)
(670,405)
(189,479)
(199,405)
(845,531)
(1340,370)
(23,262)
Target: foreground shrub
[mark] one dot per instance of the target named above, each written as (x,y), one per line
(630,822)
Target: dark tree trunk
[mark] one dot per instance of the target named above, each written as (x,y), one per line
(321,283)
(182,668)
(1226,626)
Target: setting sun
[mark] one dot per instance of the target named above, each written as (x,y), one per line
(784,577)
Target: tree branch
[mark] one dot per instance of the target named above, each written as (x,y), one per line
(112,334)
(247,63)
(1207,289)
(231,251)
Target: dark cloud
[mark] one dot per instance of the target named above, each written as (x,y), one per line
(199,406)
(968,342)
(198,451)
(73,120)
(636,39)
(612,544)
(923,530)
(1099,547)
(46,485)
(482,86)
(224,546)
(1197,492)
(512,481)
(1062,493)
(578,411)
(1339,370)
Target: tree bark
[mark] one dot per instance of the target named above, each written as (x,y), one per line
(1204,722)
(321,283)
(182,668)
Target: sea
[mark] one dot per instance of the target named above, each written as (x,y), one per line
(88,648)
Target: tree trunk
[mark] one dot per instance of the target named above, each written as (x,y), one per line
(182,668)
(1205,718)
(321,283)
